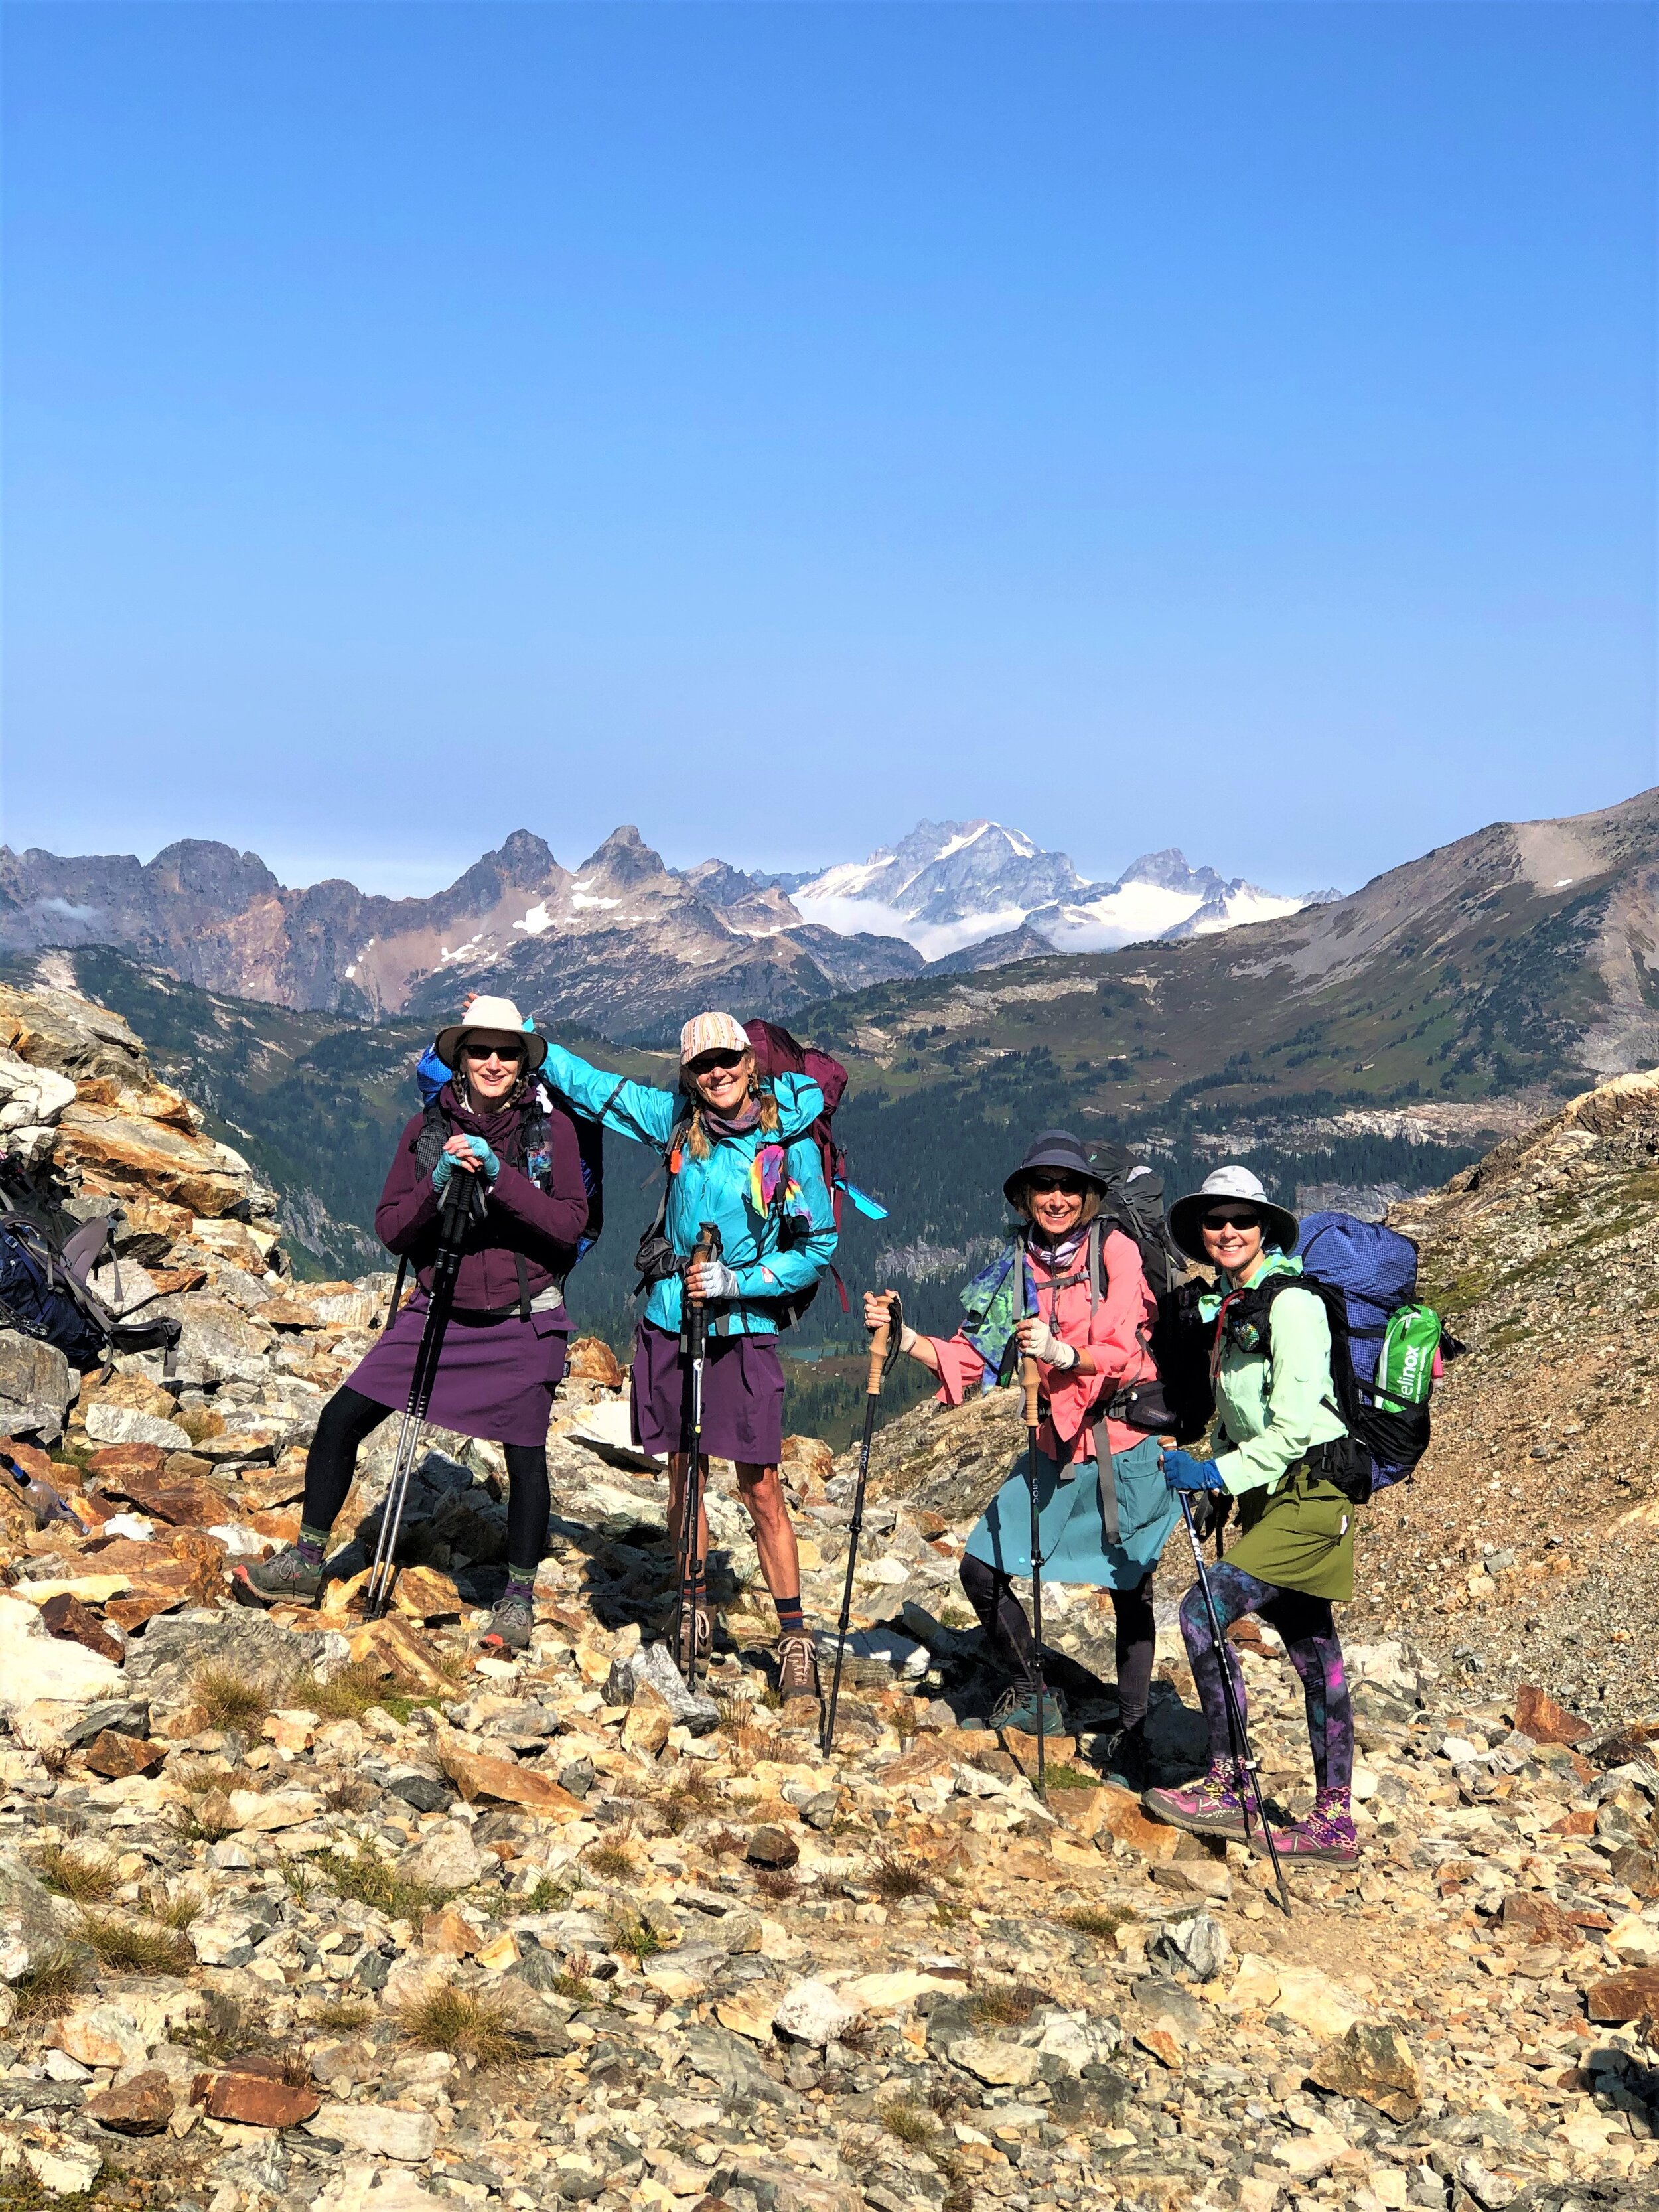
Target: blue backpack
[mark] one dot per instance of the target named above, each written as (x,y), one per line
(1375,1268)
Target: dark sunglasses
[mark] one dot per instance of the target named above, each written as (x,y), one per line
(709,1061)
(1233,1216)
(509,1055)
(1040,1185)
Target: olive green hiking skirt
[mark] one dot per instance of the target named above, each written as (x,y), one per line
(1298,1535)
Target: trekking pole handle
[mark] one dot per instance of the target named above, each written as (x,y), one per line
(880,1337)
(1028,1370)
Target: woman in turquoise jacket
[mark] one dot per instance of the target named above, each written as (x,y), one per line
(740,1155)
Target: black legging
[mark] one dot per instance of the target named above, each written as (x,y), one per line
(991,1594)
(348,1417)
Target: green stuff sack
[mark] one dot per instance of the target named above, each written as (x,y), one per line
(1405,1366)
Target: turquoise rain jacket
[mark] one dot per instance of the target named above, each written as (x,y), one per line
(721,1189)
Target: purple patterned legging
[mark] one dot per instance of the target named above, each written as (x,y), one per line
(1310,1635)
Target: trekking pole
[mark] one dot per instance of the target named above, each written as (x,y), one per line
(883,1354)
(694,1342)
(1029,1374)
(459,1197)
(1235,1729)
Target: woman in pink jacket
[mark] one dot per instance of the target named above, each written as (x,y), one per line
(1070,1289)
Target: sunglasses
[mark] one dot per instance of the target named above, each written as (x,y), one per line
(1233,1217)
(1040,1185)
(509,1055)
(709,1061)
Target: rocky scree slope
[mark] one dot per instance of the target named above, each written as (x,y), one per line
(302,1910)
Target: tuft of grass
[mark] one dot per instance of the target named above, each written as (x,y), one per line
(128,1946)
(349,1694)
(1059,1775)
(1004,2004)
(351,1794)
(87,1878)
(549,1895)
(184,1906)
(456,2020)
(635,1936)
(340,2015)
(893,1876)
(612,1859)
(780,1882)
(45,1990)
(299,1879)
(222,2031)
(375,1882)
(228,1698)
(911,2123)
(690,1797)
(576,1987)
(1101,1920)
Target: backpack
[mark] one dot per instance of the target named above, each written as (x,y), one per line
(776,1053)
(44,1291)
(1365,1277)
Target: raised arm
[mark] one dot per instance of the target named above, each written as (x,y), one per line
(639,1110)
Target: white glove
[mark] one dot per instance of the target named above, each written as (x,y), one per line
(908,1340)
(1051,1350)
(718,1280)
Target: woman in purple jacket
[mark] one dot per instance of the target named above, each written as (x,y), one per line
(504,1349)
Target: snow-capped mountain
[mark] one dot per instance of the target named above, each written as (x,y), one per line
(951,885)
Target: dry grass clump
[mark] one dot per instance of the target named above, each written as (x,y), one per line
(1004,2004)
(780,1883)
(688,1799)
(1101,1920)
(635,1937)
(128,1946)
(340,2015)
(912,2123)
(184,1906)
(46,1989)
(375,1882)
(456,2020)
(612,1859)
(225,1698)
(86,1877)
(894,1876)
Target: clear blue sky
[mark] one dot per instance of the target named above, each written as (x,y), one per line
(1160,424)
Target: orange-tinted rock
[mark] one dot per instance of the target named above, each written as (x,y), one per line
(448,1934)
(1537,1715)
(478,1775)
(66,1617)
(33,1461)
(1623,1997)
(115,1757)
(1579,1823)
(122,1154)
(592,1360)
(141,2106)
(1162,2045)
(1109,1811)
(261,2100)
(182,1504)
(1539,1919)
(112,1463)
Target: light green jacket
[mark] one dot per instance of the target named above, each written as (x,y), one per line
(1274,1413)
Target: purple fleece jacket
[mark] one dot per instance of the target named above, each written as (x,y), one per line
(522,1218)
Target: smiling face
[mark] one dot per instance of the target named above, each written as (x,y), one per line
(1054,1202)
(722,1080)
(1232,1237)
(492,1064)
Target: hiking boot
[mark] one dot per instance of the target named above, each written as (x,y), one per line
(1212,1807)
(1017,1709)
(512,1623)
(797,1667)
(290,1577)
(1327,1837)
(1129,1763)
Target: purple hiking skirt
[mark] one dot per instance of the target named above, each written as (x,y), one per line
(742,1396)
(496,1377)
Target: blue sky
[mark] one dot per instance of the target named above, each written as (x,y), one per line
(1154,424)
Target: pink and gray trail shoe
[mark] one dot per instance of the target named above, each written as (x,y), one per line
(1210,1807)
(1326,1837)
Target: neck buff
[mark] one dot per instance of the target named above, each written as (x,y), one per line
(731,1125)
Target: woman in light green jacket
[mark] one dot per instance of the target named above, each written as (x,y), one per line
(1281,1443)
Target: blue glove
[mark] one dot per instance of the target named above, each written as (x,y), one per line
(1182,1471)
(480,1151)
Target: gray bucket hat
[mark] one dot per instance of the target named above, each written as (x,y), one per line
(1280,1225)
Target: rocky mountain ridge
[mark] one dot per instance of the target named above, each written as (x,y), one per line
(622,942)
